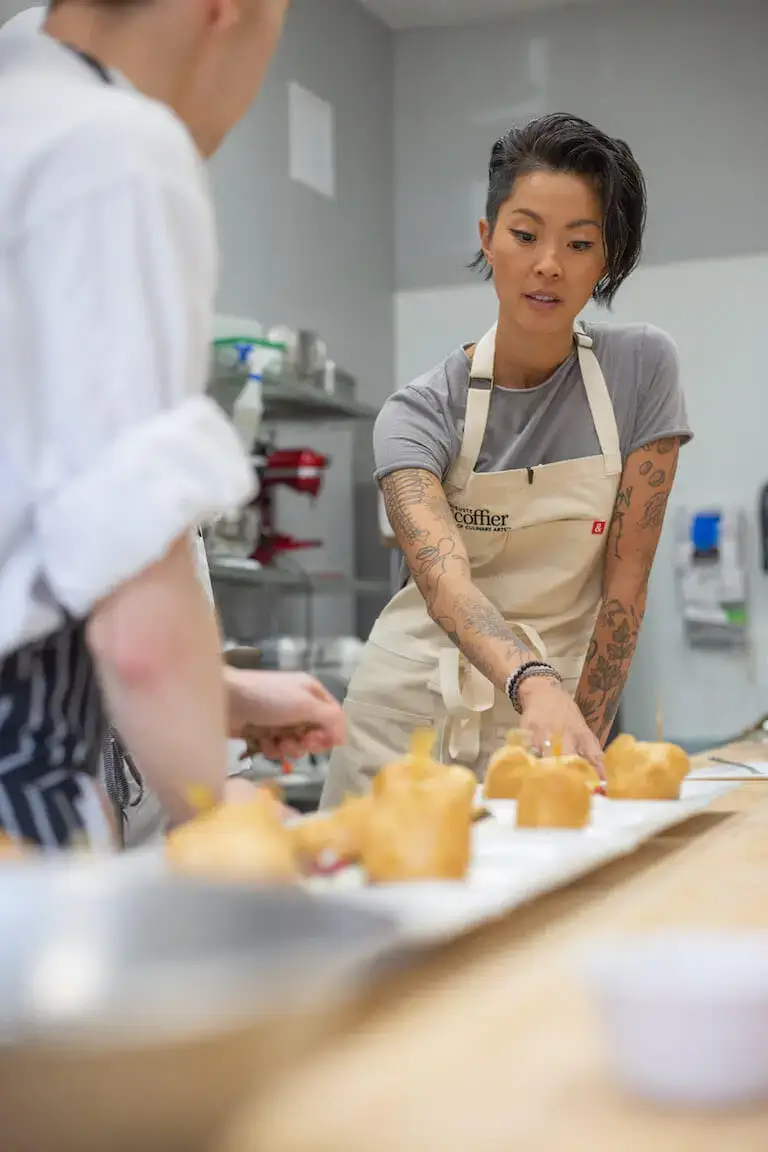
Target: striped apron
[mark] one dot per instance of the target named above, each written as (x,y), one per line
(51,730)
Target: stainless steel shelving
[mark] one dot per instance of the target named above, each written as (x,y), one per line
(288,398)
(246,572)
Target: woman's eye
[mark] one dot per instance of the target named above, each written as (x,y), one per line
(524,237)
(582,245)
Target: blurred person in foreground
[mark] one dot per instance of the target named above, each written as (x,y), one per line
(110,454)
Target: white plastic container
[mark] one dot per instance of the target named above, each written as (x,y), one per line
(686,1015)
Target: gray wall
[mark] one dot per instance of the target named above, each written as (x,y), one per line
(9,8)
(685,82)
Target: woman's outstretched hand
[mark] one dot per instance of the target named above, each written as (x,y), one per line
(550,715)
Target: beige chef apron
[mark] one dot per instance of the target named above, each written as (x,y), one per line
(536,540)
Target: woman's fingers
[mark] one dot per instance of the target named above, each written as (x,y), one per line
(590,749)
(574,739)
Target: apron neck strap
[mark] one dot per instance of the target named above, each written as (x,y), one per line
(599,400)
(479,404)
(478,407)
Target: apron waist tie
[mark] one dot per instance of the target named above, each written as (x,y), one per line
(467,697)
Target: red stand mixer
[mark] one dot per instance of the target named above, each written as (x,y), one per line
(300,469)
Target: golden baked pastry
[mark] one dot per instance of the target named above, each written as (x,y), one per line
(418,825)
(513,763)
(340,833)
(236,843)
(554,795)
(418,764)
(576,764)
(508,767)
(421,832)
(420,768)
(636,770)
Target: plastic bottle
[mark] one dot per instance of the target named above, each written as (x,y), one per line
(249,406)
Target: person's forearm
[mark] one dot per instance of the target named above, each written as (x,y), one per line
(157,650)
(239,699)
(468,618)
(436,555)
(610,654)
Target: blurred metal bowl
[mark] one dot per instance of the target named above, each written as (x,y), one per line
(137,1011)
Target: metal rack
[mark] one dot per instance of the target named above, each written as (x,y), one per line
(288,398)
(291,399)
(231,570)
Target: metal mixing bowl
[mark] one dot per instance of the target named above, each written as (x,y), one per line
(135,1011)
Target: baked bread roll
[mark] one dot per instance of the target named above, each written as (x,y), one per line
(421,832)
(339,833)
(554,795)
(513,763)
(508,767)
(236,843)
(418,826)
(415,825)
(635,770)
(576,764)
(418,764)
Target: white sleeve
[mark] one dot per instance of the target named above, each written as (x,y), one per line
(119,291)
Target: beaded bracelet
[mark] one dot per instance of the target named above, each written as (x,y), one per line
(530,668)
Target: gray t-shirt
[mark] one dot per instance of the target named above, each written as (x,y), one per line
(421,425)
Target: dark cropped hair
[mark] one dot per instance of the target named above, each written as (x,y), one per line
(562,143)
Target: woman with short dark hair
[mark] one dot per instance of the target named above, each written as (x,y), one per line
(526,479)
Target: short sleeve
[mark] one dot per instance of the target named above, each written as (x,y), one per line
(661,410)
(117,288)
(414,430)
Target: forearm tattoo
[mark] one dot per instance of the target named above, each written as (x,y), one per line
(607,665)
(434,550)
(633,537)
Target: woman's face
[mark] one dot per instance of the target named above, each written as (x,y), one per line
(546,250)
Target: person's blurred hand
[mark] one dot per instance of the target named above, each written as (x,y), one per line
(292,712)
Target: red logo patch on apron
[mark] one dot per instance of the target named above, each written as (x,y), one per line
(598,527)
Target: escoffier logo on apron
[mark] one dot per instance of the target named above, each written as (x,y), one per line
(480,519)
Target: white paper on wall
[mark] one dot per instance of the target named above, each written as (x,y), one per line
(311,141)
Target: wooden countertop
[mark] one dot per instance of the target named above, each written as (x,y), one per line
(489,1045)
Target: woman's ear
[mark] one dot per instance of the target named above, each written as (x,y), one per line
(486,237)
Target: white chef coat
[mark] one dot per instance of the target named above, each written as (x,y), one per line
(108,447)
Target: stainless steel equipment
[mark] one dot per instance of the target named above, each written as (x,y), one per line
(305,352)
(286,653)
(134,1012)
(340,655)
